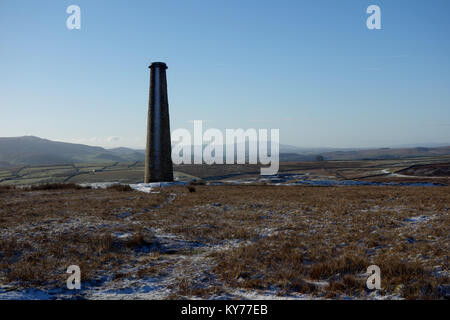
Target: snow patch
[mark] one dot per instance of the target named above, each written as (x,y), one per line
(143,187)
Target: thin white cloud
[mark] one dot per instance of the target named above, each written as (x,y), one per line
(112,139)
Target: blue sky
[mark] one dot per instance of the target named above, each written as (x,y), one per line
(310,68)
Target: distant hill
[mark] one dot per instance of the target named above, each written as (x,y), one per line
(137,155)
(30,150)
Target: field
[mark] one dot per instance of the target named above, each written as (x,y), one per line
(133,172)
(226,241)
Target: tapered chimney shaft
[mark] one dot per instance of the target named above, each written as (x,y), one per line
(158,155)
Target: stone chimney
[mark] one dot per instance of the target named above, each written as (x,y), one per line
(158,154)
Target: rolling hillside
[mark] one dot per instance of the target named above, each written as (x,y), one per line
(30,150)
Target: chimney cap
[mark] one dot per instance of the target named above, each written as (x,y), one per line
(158,64)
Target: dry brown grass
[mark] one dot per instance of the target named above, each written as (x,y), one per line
(49,230)
(45,260)
(6,188)
(288,239)
(186,287)
(56,186)
(120,187)
(330,234)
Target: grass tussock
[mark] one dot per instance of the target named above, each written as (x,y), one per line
(186,287)
(7,188)
(120,187)
(56,186)
(197,183)
(347,264)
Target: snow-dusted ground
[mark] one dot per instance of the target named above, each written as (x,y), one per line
(295,179)
(285,179)
(195,266)
(144,187)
